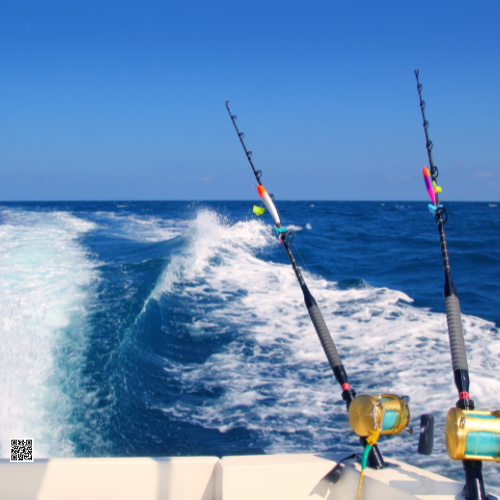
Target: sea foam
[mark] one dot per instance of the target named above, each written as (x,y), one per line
(273,377)
(46,281)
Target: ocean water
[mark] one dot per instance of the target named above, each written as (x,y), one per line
(178,328)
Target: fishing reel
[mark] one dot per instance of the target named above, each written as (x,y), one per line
(394,414)
(473,435)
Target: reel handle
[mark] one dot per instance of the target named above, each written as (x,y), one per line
(426,438)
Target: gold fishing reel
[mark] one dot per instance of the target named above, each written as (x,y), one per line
(473,435)
(366,411)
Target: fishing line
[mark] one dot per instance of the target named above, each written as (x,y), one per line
(298,251)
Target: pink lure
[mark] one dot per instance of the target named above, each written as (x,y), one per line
(428,184)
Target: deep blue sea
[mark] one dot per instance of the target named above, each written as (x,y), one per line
(178,328)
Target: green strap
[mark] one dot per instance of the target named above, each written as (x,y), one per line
(366,452)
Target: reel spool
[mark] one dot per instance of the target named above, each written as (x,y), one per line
(392,410)
(473,435)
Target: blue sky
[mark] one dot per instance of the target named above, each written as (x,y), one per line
(106,100)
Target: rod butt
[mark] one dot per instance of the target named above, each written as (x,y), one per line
(474,486)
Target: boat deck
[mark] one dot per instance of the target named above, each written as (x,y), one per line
(259,477)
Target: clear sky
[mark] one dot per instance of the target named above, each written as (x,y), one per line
(107,100)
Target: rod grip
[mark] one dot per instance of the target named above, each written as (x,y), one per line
(324,336)
(457,342)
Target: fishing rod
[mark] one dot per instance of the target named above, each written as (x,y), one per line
(369,416)
(471,436)
(348,394)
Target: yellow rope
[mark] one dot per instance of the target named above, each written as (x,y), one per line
(373,436)
(360,481)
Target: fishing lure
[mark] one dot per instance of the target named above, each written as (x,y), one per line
(268,202)
(428,184)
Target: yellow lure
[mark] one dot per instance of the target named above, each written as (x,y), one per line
(437,189)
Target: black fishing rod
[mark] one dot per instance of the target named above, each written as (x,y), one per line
(374,456)
(331,352)
(460,419)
